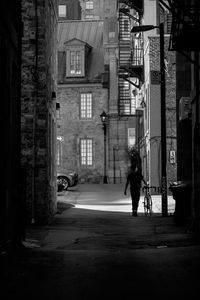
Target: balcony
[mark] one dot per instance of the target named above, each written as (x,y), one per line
(131,58)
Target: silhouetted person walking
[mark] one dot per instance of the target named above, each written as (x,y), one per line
(135,179)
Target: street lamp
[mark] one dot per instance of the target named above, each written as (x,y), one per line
(142,28)
(104,117)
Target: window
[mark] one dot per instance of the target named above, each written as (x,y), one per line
(75,62)
(111,36)
(58,114)
(86,152)
(172,156)
(89,5)
(89,17)
(169,23)
(86,106)
(58,111)
(131,136)
(62,11)
(133,100)
(59,150)
(76,53)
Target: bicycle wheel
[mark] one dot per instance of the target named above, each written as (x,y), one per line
(147,205)
(150,205)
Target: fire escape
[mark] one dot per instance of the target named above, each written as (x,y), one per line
(130,56)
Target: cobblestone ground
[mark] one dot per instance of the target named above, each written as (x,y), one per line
(91,251)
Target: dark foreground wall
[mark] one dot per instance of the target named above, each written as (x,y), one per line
(38,118)
(10,185)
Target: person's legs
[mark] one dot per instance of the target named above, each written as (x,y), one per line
(135,196)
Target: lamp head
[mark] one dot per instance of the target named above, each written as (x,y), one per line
(103,117)
(142,28)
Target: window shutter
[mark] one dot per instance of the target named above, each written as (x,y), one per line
(68,63)
(61,65)
(83,62)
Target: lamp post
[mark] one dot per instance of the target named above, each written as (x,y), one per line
(104,117)
(136,29)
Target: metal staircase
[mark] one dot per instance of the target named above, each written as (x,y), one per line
(124,61)
(130,59)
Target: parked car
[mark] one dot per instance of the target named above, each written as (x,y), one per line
(66,180)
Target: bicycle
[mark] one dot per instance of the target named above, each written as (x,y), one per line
(148,200)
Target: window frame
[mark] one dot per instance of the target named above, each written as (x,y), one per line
(69,51)
(64,15)
(88,157)
(59,141)
(88,97)
(89,5)
(89,17)
(58,111)
(75,63)
(131,136)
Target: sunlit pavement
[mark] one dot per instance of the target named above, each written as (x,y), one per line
(110,197)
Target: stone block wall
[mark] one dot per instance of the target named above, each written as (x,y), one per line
(38,118)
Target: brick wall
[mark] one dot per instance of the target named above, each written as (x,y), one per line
(152,88)
(170,77)
(72,129)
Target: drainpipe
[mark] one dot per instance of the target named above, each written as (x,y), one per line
(35,79)
(196,145)
(114,169)
(163,123)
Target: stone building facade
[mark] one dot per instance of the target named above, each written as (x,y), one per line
(150,143)
(38,112)
(98,39)
(125,114)
(82,99)
(152,111)
(11,225)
